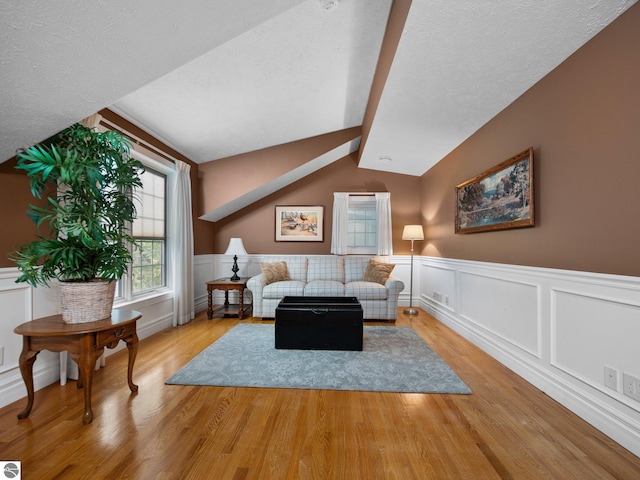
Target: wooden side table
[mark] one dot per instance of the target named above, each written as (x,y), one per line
(85,342)
(227,285)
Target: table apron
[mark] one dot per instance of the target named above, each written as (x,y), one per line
(58,343)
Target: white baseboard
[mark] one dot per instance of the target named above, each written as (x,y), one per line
(12,387)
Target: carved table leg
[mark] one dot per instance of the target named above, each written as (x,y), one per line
(86,366)
(27,359)
(132,346)
(240,306)
(209,304)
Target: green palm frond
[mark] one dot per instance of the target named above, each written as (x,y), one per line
(88,176)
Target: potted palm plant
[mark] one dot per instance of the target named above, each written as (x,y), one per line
(88,177)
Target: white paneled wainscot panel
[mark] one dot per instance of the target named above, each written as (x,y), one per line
(203,271)
(17,306)
(558,329)
(586,335)
(503,307)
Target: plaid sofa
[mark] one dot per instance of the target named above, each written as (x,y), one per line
(327,276)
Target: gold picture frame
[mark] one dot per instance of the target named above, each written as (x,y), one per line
(499,198)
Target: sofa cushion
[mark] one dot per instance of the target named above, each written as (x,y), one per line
(365,291)
(324,288)
(297,266)
(377,272)
(354,268)
(325,268)
(282,289)
(274,272)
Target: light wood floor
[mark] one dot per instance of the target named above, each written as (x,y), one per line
(506,429)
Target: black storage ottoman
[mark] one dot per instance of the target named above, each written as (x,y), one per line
(319,323)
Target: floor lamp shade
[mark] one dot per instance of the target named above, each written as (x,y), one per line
(412,232)
(235,248)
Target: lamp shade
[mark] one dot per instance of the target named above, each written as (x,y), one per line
(236,247)
(412,232)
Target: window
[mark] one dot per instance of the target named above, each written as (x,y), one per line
(362,225)
(148,269)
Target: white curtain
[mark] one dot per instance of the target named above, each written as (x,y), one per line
(383,219)
(181,245)
(340,218)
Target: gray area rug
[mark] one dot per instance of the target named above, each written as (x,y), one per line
(393,359)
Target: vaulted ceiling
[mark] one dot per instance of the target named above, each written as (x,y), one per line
(214,78)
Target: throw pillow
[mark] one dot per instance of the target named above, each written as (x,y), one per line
(378,272)
(274,272)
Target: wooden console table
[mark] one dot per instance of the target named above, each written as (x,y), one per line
(227,285)
(85,342)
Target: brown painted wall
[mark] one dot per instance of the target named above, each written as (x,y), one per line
(583,120)
(224,180)
(255,224)
(15,227)
(15,196)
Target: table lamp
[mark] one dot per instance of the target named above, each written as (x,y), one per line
(235,248)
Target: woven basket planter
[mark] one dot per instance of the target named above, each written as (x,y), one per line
(83,302)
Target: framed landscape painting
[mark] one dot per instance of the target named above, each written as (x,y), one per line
(299,223)
(499,198)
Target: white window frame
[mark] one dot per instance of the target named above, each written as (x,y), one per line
(125,291)
(362,202)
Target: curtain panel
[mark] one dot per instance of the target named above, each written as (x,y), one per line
(181,246)
(383,218)
(340,223)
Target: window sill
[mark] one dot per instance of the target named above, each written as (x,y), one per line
(145,300)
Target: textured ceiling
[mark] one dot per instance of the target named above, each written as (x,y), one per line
(217,78)
(61,61)
(300,74)
(460,63)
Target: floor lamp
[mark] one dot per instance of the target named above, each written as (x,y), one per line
(412,232)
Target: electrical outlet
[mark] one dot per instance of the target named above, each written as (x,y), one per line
(628,385)
(610,377)
(446,299)
(1,354)
(631,386)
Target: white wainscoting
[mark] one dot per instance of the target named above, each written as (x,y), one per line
(21,303)
(16,306)
(558,329)
(215,266)
(203,271)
